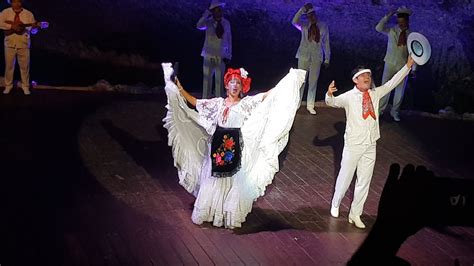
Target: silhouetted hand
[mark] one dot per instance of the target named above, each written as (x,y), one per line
(403,210)
(405,202)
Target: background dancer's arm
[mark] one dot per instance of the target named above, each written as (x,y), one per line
(228,44)
(189,98)
(297,18)
(202,22)
(4,25)
(327,48)
(381,26)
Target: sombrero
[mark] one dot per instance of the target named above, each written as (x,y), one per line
(419,48)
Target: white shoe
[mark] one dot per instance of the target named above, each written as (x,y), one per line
(311,110)
(356,221)
(7,90)
(26,91)
(334,211)
(396,116)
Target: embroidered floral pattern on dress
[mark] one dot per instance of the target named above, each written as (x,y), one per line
(249,103)
(224,155)
(208,111)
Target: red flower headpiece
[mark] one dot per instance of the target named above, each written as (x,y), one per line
(240,74)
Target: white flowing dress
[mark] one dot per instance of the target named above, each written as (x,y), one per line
(265,125)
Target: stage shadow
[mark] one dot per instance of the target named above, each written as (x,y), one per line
(307,219)
(154,156)
(336,142)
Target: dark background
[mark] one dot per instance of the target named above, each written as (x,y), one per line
(124,41)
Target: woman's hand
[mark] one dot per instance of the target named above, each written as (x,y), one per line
(180,87)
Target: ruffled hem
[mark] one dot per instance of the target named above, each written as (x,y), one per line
(227,201)
(229,220)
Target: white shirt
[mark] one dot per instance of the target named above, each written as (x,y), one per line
(16,40)
(214,46)
(309,49)
(396,55)
(211,112)
(358,129)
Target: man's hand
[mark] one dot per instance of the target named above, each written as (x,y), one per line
(18,28)
(410,61)
(36,25)
(391,12)
(207,13)
(332,88)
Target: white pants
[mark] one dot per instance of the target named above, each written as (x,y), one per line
(213,66)
(313,67)
(388,72)
(362,158)
(23,55)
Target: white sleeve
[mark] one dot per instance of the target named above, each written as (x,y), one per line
(296,21)
(202,22)
(381,26)
(392,83)
(3,25)
(187,139)
(327,47)
(31,19)
(228,48)
(336,101)
(266,133)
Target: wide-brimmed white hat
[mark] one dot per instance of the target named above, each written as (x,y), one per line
(216,3)
(419,48)
(404,10)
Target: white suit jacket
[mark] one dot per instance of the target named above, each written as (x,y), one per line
(214,46)
(311,50)
(16,40)
(358,129)
(395,55)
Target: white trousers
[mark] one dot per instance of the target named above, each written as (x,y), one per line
(212,66)
(388,72)
(23,56)
(362,158)
(313,68)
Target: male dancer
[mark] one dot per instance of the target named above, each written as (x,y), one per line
(314,49)
(362,131)
(217,47)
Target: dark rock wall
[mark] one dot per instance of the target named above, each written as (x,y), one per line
(125,40)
